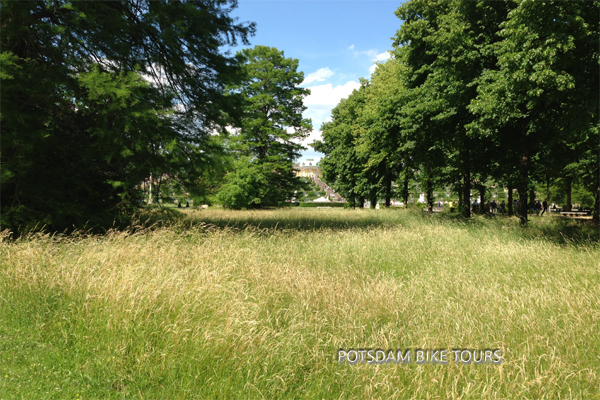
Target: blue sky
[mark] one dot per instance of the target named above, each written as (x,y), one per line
(336,42)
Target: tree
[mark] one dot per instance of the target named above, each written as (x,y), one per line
(98,95)
(343,166)
(381,141)
(271,127)
(445,47)
(544,88)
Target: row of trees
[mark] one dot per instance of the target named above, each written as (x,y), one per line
(477,93)
(98,96)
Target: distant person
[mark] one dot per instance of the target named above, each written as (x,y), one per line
(187,204)
(494,207)
(538,207)
(544,206)
(502,207)
(179,205)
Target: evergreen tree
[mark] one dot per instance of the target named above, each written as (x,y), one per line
(96,96)
(272,125)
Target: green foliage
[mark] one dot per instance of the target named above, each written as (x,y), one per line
(266,144)
(478,94)
(96,96)
(343,165)
(253,185)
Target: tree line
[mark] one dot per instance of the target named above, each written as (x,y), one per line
(476,93)
(99,96)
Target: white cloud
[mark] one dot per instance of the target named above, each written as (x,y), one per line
(372,69)
(328,94)
(320,102)
(319,76)
(314,135)
(323,98)
(373,55)
(377,58)
(381,56)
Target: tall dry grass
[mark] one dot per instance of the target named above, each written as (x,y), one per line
(256,304)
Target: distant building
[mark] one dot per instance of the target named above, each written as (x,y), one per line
(307,171)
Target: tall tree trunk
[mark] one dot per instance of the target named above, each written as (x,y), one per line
(548,190)
(532,197)
(510,200)
(522,187)
(523,173)
(569,205)
(481,189)
(522,191)
(373,198)
(429,191)
(596,217)
(150,201)
(405,192)
(466,200)
(361,201)
(460,194)
(465,203)
(158,189)
(388,191)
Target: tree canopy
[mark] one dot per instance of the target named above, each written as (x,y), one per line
(97,96)
(478,93)
(267,142)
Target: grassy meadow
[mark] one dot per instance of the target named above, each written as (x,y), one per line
(255,304)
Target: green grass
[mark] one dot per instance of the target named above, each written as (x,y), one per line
(255,304)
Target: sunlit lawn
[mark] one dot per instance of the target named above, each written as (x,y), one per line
(256,304)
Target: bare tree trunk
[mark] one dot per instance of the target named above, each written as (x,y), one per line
(158,189)
(150,191)
(510,200)
(429,191)
(532,197)
(460,196)
(548,190)
(388,191)
(568,206)
(596,217)
(522,188)
(405,192)
(481,189)
(523,174)
(466,201)
(373,198)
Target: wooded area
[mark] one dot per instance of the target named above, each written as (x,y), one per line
(99,96)
(477,93)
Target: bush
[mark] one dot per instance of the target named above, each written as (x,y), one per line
(254,185)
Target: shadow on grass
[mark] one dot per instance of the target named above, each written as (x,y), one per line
(560,230)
